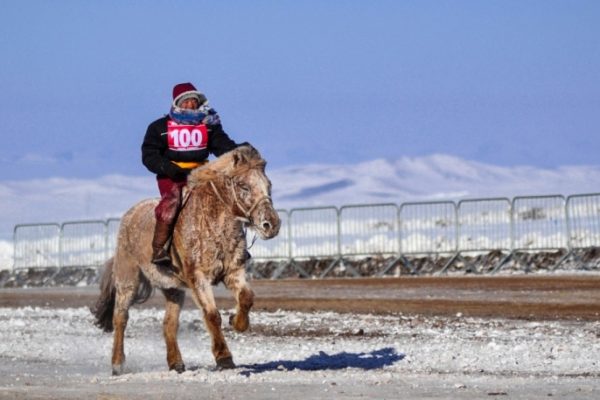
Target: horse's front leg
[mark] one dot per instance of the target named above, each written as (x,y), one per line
(236,282)
(203,296)
(175,298)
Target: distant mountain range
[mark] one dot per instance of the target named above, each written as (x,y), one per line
(435,177)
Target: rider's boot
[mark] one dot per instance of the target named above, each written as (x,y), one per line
(160,256)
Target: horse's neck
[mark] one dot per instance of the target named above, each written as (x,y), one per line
(204,216)
(208,203)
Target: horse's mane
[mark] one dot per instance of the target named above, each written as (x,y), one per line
(230,164)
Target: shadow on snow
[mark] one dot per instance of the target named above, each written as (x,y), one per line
(323,361)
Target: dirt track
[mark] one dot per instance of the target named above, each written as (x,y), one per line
(527,297)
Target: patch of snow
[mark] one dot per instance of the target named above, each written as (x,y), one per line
(295,353)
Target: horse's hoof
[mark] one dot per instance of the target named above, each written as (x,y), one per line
(238,324)
(117,369)
(179,367)
(225,363)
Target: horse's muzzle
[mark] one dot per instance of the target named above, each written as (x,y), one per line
(268,223)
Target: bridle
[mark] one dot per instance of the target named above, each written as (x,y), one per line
(247,217)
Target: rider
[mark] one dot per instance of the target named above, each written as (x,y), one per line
(172,147)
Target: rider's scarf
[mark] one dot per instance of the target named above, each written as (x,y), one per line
(202,115)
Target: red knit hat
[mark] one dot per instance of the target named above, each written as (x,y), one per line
(183,91)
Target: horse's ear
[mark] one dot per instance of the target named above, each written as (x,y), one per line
(250,151)
(244,154)
(237,158)
(253,153)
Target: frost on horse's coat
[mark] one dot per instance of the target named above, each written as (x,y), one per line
(208,247)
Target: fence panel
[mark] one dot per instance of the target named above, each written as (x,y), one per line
(36,246)
(484,225)
(277,248)
(527,223)
(539,223)
(369,230)
(314,232)
(428,227)
(112,232)
(583,220)
(83,243)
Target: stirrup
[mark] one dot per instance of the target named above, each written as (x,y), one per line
(162,259)
(162,262)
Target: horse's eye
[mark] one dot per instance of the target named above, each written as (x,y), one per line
(244,188)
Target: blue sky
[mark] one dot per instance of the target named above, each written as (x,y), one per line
(501,82)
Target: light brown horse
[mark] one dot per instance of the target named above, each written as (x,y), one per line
(208,247)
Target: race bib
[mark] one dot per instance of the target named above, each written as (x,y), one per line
(186,137)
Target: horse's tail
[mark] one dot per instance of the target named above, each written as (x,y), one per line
(105,305)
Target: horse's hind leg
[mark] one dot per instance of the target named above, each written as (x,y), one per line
(175,298)
(236,282)
(124,298)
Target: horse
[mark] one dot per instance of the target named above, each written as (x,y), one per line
(208,246)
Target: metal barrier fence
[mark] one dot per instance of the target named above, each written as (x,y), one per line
(484,226)
(36,245)
(583,226)
(523,225)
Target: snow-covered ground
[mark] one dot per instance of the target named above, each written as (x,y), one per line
(59,353)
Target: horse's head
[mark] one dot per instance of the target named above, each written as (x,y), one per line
(243,185)
(240,174)
(251,190)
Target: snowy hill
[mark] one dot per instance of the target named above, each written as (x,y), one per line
(436,177)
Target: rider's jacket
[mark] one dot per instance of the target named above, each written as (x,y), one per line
(167,143)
